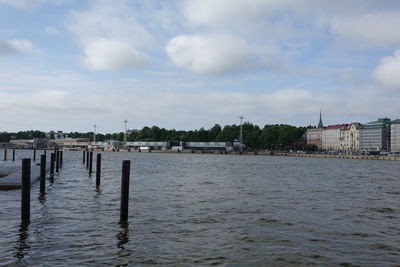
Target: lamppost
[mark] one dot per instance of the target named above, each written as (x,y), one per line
(241,129)
(125,121)
(94,134)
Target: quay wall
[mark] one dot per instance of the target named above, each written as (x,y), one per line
(367,157)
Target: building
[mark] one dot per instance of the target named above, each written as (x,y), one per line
(70,142)
(375,136)
(314,135)
(331,137)
(350,137)
(395,136)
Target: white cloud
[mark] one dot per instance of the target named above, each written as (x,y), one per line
(216,12)
(215,54)
(371,29)
(106,54)
(21,3)
(24,4)
(51,30)
(108,30)
(10,47)
(388,72)
(173,104)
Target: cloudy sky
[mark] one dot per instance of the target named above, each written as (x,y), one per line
(68,64)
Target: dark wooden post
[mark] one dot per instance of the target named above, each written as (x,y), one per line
(34,154)
(13,154)
(126,169)
(83,157)
(26,190)
(42,174)
(87,159)
(45,151)
(61,158)
(5,154)
(52,160)
(98,169)
(58,161)
(91,163)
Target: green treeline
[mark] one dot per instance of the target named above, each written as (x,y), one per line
(280,136)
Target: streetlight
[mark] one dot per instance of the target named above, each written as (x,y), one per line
(125,121)
(241,129)
(94,134)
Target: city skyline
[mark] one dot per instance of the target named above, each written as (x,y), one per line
(67,65)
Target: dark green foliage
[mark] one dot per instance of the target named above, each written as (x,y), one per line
(280,136)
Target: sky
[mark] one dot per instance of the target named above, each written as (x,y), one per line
(185,64)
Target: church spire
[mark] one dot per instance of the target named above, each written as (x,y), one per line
(320,124)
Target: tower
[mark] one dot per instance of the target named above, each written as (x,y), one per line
(125,121)
(94,134)
(320,124)
(241,129)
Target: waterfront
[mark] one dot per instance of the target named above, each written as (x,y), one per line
(210,209)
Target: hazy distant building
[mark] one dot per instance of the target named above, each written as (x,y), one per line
(375,135)
(331,137)
(395,136)
(314,135)
(350,137)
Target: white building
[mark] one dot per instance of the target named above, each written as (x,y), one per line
(395,136)
(350,137)
(331,137)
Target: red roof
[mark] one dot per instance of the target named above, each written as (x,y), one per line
(345,126)
(337,126)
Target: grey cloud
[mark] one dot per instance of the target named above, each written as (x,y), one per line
(10,47)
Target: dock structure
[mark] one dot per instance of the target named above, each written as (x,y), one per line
(10,176)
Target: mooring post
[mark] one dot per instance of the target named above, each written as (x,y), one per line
(34,154)
(126,169)
(26,190)
(42,174)
(83,157)
(58,161)
(5,154)
(61,158)
(13,154)
(45,151)
(52,160)
(98,169)
(87,159)
(91,163)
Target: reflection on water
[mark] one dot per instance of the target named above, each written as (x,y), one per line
(21,245)
(199,209)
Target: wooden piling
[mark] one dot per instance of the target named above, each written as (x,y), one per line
(126,168)
(87,159)
(83,157)
(34,154)
(90,162)
(13,157)
(5,154)
(42,174)
(61,158)
(58,161)
(98,169)
(26,190)
(52,160)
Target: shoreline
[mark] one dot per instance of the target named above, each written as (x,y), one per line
(261,153)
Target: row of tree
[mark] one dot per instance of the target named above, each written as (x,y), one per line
(279,136)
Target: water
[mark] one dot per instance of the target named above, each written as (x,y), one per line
(193,209)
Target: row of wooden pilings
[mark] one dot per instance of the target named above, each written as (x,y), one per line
(126,169)
(56,163)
